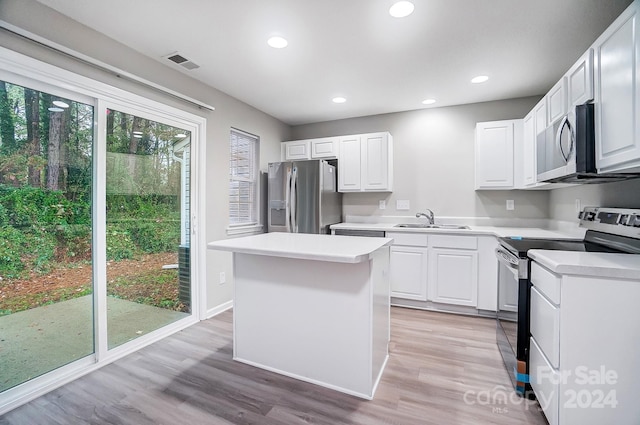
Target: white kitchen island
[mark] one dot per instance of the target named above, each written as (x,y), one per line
(312,307)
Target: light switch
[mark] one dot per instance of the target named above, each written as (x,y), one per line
(510,205)
(403,205)
(382,204)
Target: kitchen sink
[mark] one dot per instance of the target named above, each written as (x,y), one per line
(431,226)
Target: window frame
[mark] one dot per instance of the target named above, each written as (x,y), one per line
(255,225)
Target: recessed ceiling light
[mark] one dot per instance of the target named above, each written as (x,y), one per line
(401,9)
(60,104)
(428,101)
(277,42)
(479,79)
(339,100)
(137,132)
(53,109)
(181,136)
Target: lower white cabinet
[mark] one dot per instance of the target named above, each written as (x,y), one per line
(584,348)
(453,270)
(408,265)
(408,272)
(487,273)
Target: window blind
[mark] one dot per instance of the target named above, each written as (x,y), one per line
(243,170)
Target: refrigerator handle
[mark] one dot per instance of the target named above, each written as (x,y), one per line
(287,211)
(294,195)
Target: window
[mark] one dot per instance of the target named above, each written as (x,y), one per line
(243,179)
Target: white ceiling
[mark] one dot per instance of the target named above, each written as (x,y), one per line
(353,48)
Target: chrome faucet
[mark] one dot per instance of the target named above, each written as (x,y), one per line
(428,216)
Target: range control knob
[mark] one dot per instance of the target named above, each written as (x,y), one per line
(624,219)
(634,221)
(590,216)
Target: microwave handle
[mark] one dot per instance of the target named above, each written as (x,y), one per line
(565,123)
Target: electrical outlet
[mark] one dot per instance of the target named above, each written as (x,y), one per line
(223,278)
(382,204)
(510,205)
(402,205)
(578,206)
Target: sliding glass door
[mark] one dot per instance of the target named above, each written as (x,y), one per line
(147,210)
(96,221)
(46,284)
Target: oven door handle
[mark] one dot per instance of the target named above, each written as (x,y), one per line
(517,265)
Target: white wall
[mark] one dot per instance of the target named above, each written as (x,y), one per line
(434,161)
(625,194)
(40,20)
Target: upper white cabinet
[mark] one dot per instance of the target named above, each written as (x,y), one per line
(557,101)
(580,81)
(300,149)
(324,148)
(540,114)
(617,94)
(494,153)
(529,172)
(366,163)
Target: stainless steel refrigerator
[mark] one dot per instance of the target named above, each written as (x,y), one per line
(303,197)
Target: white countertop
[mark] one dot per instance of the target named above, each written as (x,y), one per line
(597,264)
(525,232)
(339,249)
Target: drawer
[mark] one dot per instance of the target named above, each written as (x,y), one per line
(408,239)
(545,326)
(547,282)
(456,242)
(545,381)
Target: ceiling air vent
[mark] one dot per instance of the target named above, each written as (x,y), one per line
(182,61)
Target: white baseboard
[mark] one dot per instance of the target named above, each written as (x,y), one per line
(219,309)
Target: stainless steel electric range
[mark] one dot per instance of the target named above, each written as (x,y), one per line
(608,230)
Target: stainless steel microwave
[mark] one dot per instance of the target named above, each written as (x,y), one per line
(566,150)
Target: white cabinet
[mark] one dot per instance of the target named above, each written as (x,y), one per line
(366,163)
(408,265)
(300,149)
(349,165)
(580,81)
(583,347)
(453,270)
(326,147)
(494,154)
(529,171)
(487,273)
(557,101)
(540,113)
(617,94)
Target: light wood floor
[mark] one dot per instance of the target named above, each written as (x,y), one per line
(443,369)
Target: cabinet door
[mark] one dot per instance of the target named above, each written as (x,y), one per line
(557,101)
(297,150)
(487,273)
(349,166)
(529,172)
(324,148)
(494,155)
(617,94)
(580,81)
(453,276)
(408,272)
(375,162)
(540,112)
